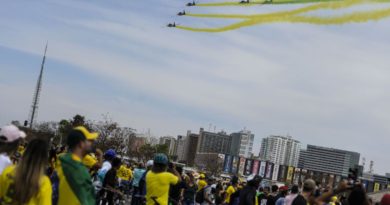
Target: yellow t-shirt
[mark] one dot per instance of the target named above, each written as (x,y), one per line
(124,173)
(157,185)
(229,191)
(43,197)
(201,184)
(89,161)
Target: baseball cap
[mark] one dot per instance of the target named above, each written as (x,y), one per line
(309,185)
(283,188)
(79,134)
(161,158)
(385,199)
(149,163)
(88,135)
(10,133)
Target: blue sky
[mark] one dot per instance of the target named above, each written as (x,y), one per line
(324,85)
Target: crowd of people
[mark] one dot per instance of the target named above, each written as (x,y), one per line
(35,173)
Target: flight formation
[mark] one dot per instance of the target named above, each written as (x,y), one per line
(351,12)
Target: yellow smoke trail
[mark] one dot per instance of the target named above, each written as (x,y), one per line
(253,3)
(327,5)
(357,17)
(294,16)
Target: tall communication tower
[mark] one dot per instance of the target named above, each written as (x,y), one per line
(35,102)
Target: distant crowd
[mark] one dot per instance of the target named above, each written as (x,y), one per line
(39,173)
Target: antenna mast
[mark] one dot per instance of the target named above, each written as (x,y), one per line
(34,106)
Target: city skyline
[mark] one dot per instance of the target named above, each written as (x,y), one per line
(322,85)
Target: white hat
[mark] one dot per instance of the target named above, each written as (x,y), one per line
(149,163)
(11,133)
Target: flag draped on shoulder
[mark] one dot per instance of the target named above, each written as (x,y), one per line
(75,182)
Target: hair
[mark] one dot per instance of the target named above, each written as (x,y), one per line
(30,169)
(9,147)
(158,168)
(116,162)
(358,196)
(74,139)
(275,188)
(295,189)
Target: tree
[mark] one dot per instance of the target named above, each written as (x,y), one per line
(146,152)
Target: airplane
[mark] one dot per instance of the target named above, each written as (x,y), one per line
(191,4)
(244,2)
(182,13)
(171,25)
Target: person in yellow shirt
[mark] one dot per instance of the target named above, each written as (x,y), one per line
(26,183)
(74,180)
(125,175)
(158,181)
(202,182)
(231,189)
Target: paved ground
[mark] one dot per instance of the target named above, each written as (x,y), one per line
(377,196)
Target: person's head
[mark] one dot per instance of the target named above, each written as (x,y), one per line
(275,188)
(267,189)
(30,169)
(385,199)
(234,181)
(294,189)
(116,163)
(358,196)
(10,137)
(261,189)
(309,186)
(255,181)
(140,165)
(149,164)
(160,163)
(80,141)
(109,155)
(283,191)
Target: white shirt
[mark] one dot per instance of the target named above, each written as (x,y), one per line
(5,161)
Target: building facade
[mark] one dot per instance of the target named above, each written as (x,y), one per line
(210,142)
(171,144)
(280,150)
(328,160)
(242,143)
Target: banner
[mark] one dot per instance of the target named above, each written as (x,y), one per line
(263,165)
(376,187)
(235,165)
(282,173)
(275,172)
(297,175)
(241,166)
(255,167)
(228,164)
(290,174)
(268,170)
(248,167)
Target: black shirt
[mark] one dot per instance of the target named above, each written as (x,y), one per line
(299,200)
(110,179)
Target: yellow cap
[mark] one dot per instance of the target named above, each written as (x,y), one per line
(202,176)
(86,133)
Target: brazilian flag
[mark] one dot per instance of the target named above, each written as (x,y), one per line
(75,184)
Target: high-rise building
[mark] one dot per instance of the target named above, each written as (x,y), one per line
(242,143)
(210,142)
(328,160)
(180,147)
(191,146)
(280,150)
(170,142)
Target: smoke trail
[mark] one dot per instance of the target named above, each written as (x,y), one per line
(294,16)
(253,3)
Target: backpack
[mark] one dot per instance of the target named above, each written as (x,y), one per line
(199,197)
